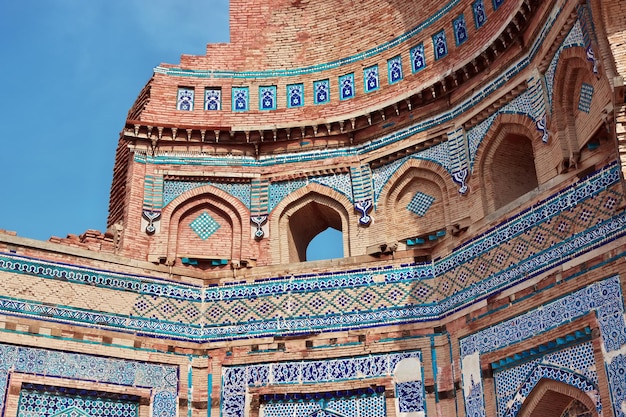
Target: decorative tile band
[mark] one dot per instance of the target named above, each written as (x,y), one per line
(468,104)
(373,296)
(313,68)
(237,379)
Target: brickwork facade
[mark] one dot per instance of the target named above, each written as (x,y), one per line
(470,152)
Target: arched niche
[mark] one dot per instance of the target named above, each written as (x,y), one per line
(508,161)
(579,101)
(553,398)
(416,200)
(204,224)
(304,214)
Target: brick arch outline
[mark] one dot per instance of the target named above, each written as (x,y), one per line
(508,124)
(166,241)
(415,169)
(313,192)
(544,386)
(572,68)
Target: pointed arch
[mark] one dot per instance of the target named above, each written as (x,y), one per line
(579,97)
(177,239)
(416,199)
(554,386)
(507,161)
(302,215)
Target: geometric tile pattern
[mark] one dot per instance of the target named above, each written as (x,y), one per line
(418,59)
(604,298)
(370,77)
(346,86)
(173,189)
(161,379)
(480,17)
(497,4)
(237,379)
(570,222)
(185,99)
(213,98)
(38,403)
(575,37)
(577,360)
(368,406)
(440,44)
(321,90)
(204,225)
(267,98)
(586,95)
(280,189)
(240,98)
(295,95)
(420,203)
(394,66)
(460,30)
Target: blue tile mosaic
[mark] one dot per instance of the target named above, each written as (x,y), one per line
(604,298)
(420,203)
(213,98)
(362,300)
(321,91)
(440,44)
(574,38)
(418,58)
(460,30)
(497,4)
(394,69)
(370,79)
(204,225)
(480,16)
(174,189)
(410,397)
(267,97)
(237,379)
(574,363)
(161,379)
(586,96)
(281,189)
(364,406)
(185,99)
(241,98)
(346,86)
(295,95)
(45,402)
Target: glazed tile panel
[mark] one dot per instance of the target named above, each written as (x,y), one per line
(237,379)
(573,221)
(574,367)
(161,379)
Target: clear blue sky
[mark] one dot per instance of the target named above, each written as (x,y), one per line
(70,72)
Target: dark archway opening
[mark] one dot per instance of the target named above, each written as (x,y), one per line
(513,169)
(307,223)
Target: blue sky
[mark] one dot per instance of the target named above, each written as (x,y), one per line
(71,71)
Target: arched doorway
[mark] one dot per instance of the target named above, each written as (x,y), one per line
(552,398)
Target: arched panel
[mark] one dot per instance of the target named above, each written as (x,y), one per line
(303,215)
(508,163)
(203,223)
(416,200)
